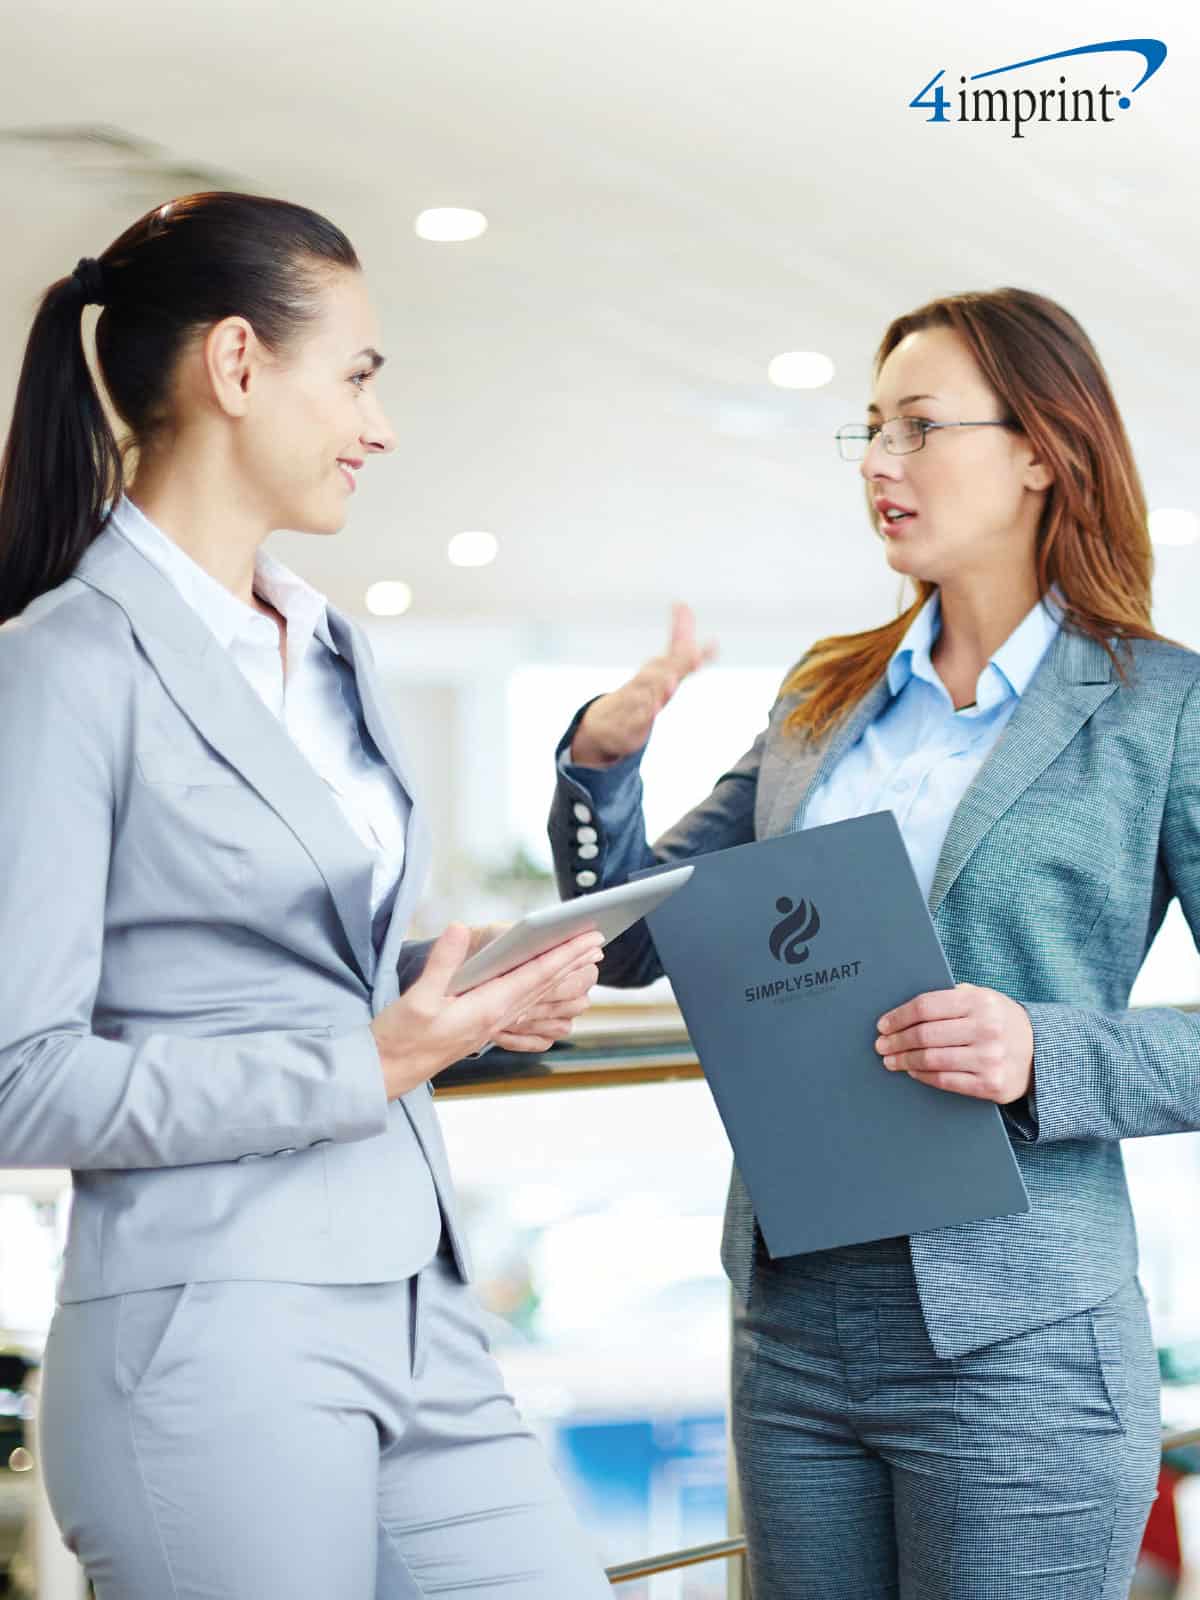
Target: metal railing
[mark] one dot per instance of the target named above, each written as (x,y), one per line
(675,1560)
(630,1047)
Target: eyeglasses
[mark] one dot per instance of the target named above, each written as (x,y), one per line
(901,436)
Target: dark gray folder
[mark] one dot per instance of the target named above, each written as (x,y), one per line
(783,955)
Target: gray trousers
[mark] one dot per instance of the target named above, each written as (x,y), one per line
(871,1468)
(254,1440)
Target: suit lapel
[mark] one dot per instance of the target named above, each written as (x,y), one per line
(208,688)
(417,848)
(352,645)
(1071,683)
(793,771)
(1074,679)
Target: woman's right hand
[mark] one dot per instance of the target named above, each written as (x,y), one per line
(618,724)
(425,1029)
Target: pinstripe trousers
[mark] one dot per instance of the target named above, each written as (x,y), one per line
(871,1468)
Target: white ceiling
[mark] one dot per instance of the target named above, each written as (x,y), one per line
(676,192)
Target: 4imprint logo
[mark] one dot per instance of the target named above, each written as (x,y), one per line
(791,937)
(1033,99)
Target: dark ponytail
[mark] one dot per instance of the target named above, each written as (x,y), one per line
(61,462)
(178,270)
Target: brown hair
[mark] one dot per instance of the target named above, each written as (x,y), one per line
(1093,543)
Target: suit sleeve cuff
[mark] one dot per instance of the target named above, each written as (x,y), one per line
(410,963)
(1021,1116)
(361,1107)
(604,786)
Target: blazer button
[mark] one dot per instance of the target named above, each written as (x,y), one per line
(585,880)
(587,835)
(588,852)
(582,814)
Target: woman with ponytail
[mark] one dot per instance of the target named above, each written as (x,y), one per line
(266,1374)
(971,1411)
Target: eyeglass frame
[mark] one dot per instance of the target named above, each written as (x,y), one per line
(926,428)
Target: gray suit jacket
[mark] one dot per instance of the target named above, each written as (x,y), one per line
(1058,867)
(188,969)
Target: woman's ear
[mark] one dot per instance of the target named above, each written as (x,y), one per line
(231,352)
(1036,474)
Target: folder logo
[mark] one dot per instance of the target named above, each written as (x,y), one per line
(790,938)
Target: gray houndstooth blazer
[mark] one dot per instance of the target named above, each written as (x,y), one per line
(1058,867)
(189,974)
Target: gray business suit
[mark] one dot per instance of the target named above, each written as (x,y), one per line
(1058,867)
(189,979)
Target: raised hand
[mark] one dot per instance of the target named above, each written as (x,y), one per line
(618,724)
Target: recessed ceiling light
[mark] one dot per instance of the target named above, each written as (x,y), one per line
(450,224)
(473,549)
(800,369)
(1172,525)
(389,598)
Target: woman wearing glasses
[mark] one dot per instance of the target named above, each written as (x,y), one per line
(973,1410)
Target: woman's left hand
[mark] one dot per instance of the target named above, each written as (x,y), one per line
(553,1015)
(968,1040)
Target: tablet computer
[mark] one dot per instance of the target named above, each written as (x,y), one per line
(609,910)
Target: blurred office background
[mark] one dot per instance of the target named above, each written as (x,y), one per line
(589,427)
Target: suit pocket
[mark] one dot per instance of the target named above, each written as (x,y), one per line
(149,1325)
(189,822)
(1110,1352)
(190,769)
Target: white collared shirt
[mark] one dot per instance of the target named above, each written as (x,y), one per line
(317,703)
(919,756)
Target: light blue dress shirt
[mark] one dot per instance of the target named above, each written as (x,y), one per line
(918,757)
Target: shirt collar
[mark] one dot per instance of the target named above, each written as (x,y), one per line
(226,616)
(1008,671)
(912,657)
